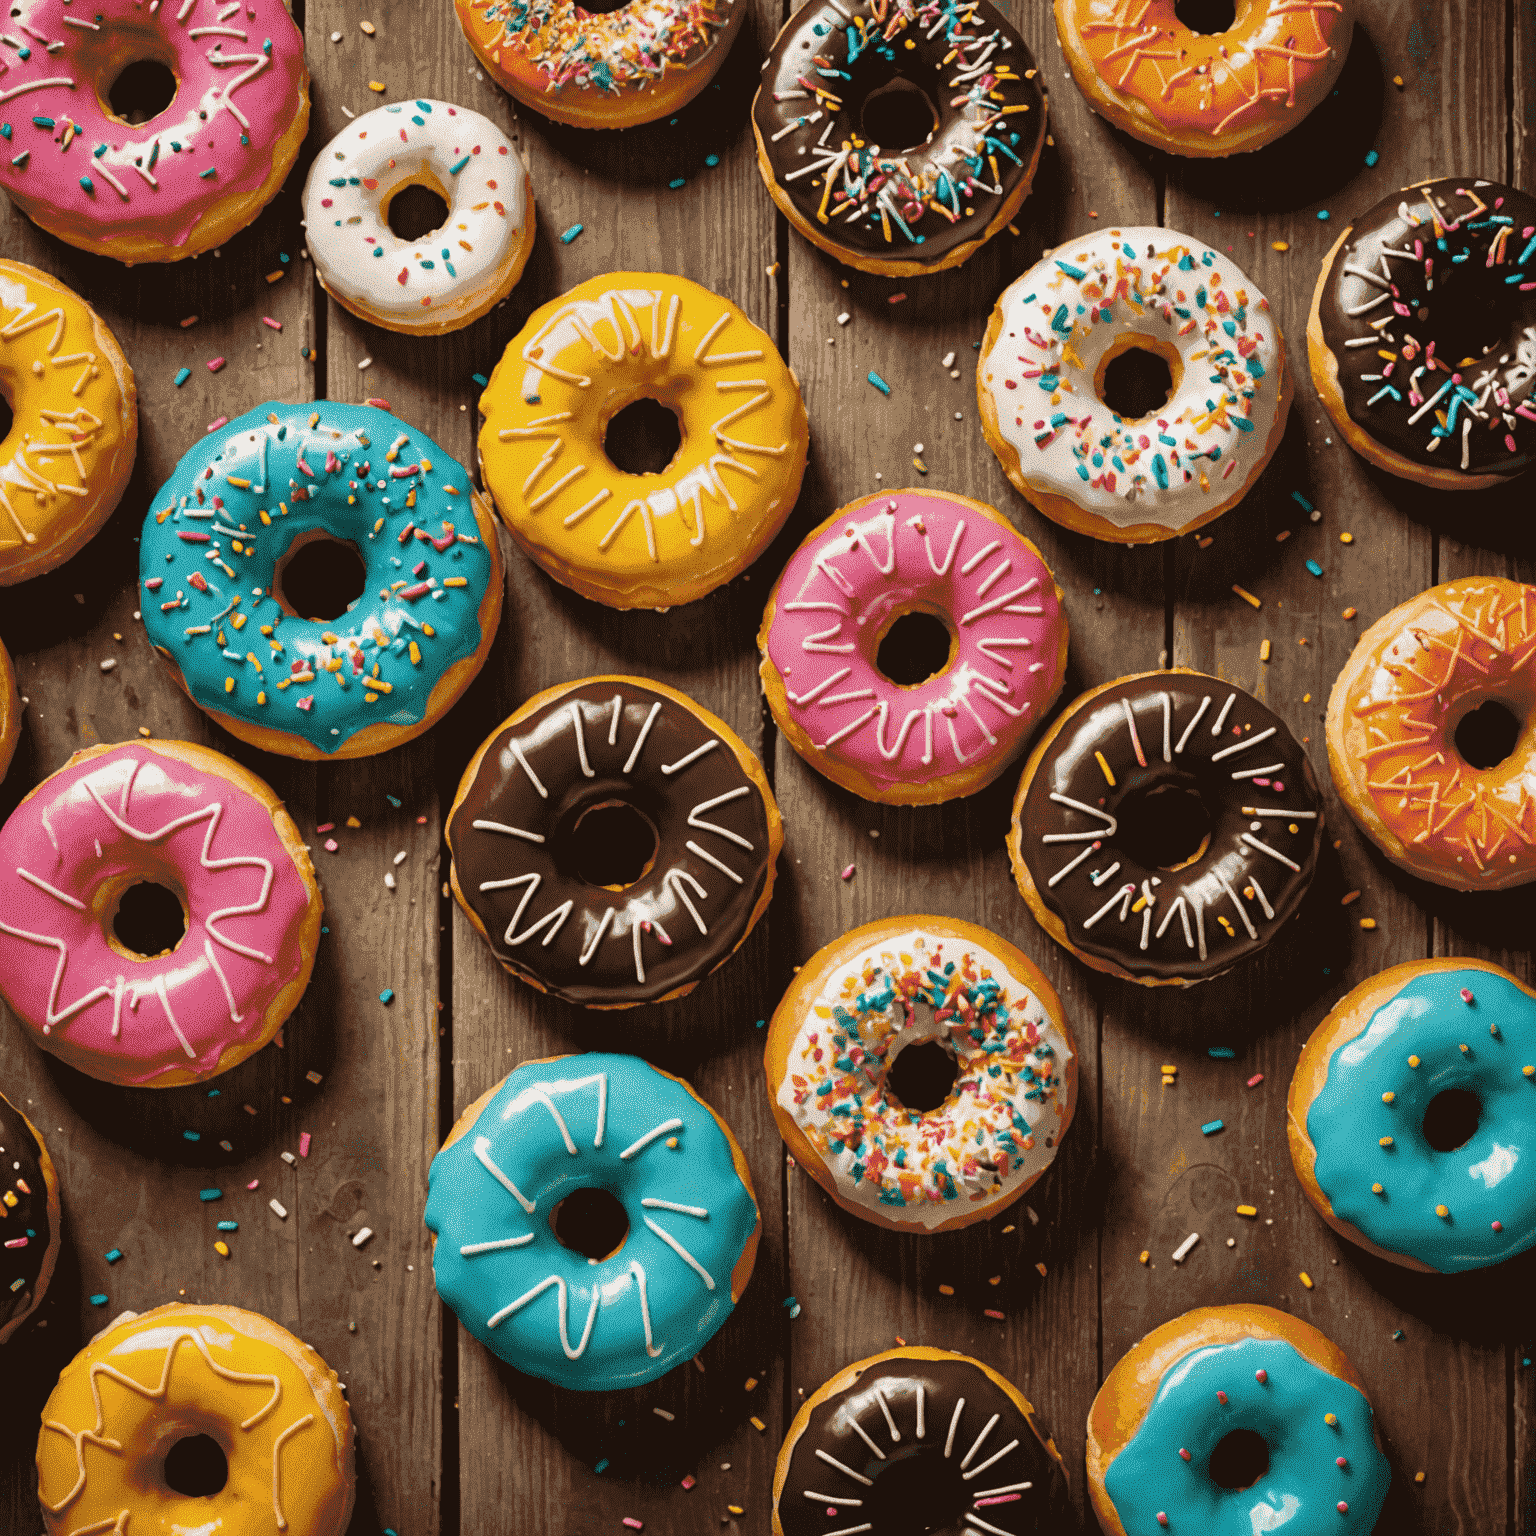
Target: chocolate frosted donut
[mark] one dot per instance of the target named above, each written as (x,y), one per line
(1165,827)
(1422,337)
(29,1218)
(918,1439)
(845,73)
(614,842)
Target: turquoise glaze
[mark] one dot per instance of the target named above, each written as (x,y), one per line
(238,500)
(1301,1492)
(1490,1179)
(583,1122)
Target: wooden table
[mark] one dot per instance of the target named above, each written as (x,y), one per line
(450,1440)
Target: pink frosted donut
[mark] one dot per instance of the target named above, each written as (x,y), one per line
(871,701)
(189,177)
(79,924)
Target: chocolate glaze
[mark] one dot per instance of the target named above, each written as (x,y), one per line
(1467,308)
(1232,879)
(816,45)
(912,1485)
(679,807)
(21,1177)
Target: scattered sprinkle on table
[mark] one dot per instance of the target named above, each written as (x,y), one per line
(1306,1279)
(688,1482)
(182,375)
(362,1237)
(571,233)
(1182,1251)
(1279,245)
(1256,1079)
(304,1140)
(602,1466)
(1323,214)
(99,1299)
(113,1255)
(994,1313)
(1314,567)
(1247,596)
(214,364)
(678,181)
(1247,1210)
(1221,1052)
(878,382)
(278,1209)
(848,872)
(1212,1126)
(387,996)
(1372,157)
(205,1195)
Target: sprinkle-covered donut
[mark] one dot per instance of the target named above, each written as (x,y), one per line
(189,820)
(1040,384)
(872,563)
(217,547)
(10,711)
(952,181)
(1393,717)
(450,276)
(564,1127)
(938,985)
(191,176)
(916,1439)
(1161,1432)
(1410,1110)
(1165,827)
(642,540)
(1422,336)
(1205,93)
(153,1379)
(75,429)
(29,1218)
(610,69)
(660,886)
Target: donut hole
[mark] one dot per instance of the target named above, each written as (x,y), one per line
(922,1076)
(603,7)
(1463,319)
(141,91)
(414,211)
(1165,826)
(196,1467)
(1451,1119)
(915,647)
(1136,379)
(643,437)
(917,1493)
(899,115)
(611,844)
(149,919)
(1209,18)
(1239,1460)
(319,577)
(1487,735)
(590,1222)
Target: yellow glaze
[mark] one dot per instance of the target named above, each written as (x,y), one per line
(70,449)
(270,1402)
(647,540)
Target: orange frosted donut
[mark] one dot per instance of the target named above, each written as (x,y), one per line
(1205,93)
(10,712)
(1394,740)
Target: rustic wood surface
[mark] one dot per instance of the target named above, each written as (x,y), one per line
(452,1441)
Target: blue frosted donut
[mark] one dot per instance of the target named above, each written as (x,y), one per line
(1214,1377)
(1376,1085)
(222,531)
(573,1123)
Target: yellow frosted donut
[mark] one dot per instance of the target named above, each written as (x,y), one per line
(109,1455)
(67,458)
(10,711)
(642,540)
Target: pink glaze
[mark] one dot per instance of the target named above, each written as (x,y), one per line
(133,812)
(240,64)
(923,551)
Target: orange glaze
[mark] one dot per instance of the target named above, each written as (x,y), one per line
(1199,93)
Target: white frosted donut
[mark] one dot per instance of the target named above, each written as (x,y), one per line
(456,273)
(1040,378)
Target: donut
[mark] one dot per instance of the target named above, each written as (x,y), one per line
(1205,94)
(1393,716)
(951,82)
(1422,335)
(1167,1432)
(914,1439)
(193,175)
(613,69)
(617,1317)
(202,832)
(29,1218)
(1437,1056)
(1041,383)
(108,1457)
(874,562)
(217,555)
(1000,1072)
(1152,783)
(65,463)
(10,711)
(657,539)
(448,277)
(627,828)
